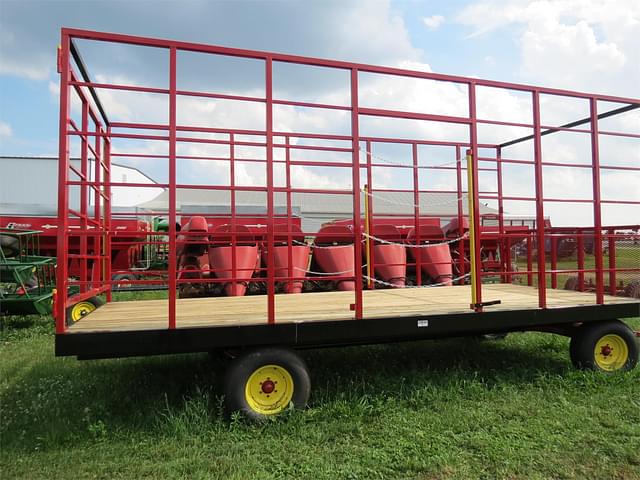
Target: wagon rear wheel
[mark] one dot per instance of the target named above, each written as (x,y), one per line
(608,346)
(264,383)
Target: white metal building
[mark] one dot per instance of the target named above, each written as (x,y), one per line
(314,209)
(29,186)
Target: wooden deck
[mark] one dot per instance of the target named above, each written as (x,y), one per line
(309,307)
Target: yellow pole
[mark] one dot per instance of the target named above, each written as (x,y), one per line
(472,232)
(366,237)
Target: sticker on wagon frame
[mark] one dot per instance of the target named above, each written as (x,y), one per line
(423,323)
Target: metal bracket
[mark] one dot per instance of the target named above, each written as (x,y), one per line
(485,304)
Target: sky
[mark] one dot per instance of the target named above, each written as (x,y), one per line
(585,45)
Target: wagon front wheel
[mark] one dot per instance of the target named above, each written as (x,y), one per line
(265,382)
(606,346)
(81,309)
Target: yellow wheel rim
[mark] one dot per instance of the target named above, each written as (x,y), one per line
(269,390)
(81,309)
(611,353)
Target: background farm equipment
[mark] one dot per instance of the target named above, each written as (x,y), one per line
(27,279)
(620,248)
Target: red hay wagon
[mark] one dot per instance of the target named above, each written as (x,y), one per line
(287,283)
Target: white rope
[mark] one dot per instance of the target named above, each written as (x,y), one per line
(409,204)
(313,245)
(441,284)
(352,271)
(391,162)
(409,245)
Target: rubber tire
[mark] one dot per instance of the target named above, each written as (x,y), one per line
(244,365)
(10,245)
(123,277)
(633,289)
(97,301)
(583,344)
(571,283)
(494,336)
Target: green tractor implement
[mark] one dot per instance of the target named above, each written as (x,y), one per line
(27,279)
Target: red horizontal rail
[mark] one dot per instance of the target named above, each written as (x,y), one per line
(614,167)
(378,112)
(115,86)
(619,134)
(196,47)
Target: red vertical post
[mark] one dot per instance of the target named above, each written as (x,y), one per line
(173,267)
(416,212)
(461,247)
(107,207)
(97,215)
(63,188)
(530,258)
(504,241)
(540,237)
(290,272)
(554,261)
(234,223)
(271,284)
(612,261)
(580,259)
(97,199)
(368,191)
(473,135)
(84,198)
(597,209)
(357,225)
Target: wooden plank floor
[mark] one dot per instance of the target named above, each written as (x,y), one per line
(308,307)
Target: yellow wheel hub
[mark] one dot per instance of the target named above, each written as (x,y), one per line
(611,353)
(81,309)
(269,390)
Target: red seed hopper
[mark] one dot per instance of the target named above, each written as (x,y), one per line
(334,253)
(434,260)
(192,244)
(233,254)
(290,255)
(389,259)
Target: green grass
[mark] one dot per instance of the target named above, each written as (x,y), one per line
(140,295)
(425,410)
(626,257)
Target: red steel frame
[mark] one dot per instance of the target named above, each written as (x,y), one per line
(96,229)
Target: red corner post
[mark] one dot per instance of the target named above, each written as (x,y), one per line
(357,228)
(475,200)
(173,269)
(271,284)
(597,210)
(540,227)
(63,199)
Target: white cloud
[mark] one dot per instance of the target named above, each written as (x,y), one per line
(577,44)
(5,130)
(371,32)
(34,67)
(588,45)
(54,89)
(12,66)
(355,30)
(551,51)
(433,22)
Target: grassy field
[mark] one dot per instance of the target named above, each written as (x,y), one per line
(458,408)
(626,257)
